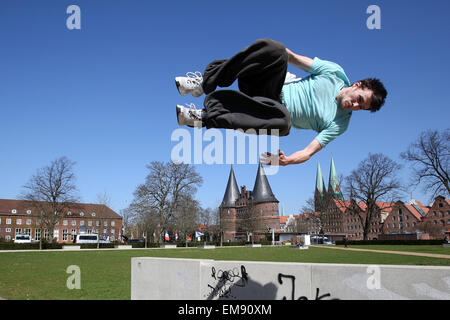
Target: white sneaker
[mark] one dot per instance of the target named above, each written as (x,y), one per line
(192,83)
(191,116)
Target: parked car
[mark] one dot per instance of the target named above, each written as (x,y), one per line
(320,240)
(23,238)
(87,238)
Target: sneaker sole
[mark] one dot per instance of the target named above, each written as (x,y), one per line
(178,115)
(183,93)
(179,87)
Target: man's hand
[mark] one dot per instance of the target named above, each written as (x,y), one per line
(274,159)
(300,156)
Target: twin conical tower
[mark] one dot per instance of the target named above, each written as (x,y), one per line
(261,190)
(248,213)
(334,190)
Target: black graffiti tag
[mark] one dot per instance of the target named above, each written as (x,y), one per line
(292,278)
(226,279)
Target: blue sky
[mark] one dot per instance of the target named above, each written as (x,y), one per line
(104,95)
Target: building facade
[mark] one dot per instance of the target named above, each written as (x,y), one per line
(338,218)
(22,217)
(438,217)
(249,214)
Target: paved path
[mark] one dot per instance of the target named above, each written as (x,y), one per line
(431,255)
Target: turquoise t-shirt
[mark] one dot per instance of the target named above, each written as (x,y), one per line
(312,103)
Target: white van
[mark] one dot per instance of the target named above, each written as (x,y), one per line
(87,238)
(23,238)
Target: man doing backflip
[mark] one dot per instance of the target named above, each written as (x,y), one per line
(323,101)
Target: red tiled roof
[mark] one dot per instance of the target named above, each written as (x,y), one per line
(423,207)
(342,204)
(283,219)
(413,210)
(22,206)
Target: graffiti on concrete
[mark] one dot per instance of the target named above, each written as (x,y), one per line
(226,281)
(236,284)
(292,280)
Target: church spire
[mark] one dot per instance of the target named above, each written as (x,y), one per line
(231,192)
(333,183)
(319,192)
(320,184)
(262,191)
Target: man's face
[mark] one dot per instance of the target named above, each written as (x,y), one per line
(355,98)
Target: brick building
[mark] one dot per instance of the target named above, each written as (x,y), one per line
(439,216)
(405,217)
(21,217)
(338,217)
(249,213)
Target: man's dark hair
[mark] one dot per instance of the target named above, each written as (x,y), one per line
(379,92)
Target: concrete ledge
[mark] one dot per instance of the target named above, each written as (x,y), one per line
(206,247)
(446,245)
(192,279)
(254,245)
(123,246)
(168,246)
(71,247)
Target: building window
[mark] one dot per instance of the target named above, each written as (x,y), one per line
(65,222)
(82,223)
(8,221)
(399,211)
(65,235)
(18,231)
(73,234)
(37,234)
(27,231)
(105,224)
(74,222)
(90,223)
(8,230)
(28,221)
(19,221)
(81,214)
(113,223)
(14,211)
(93,214)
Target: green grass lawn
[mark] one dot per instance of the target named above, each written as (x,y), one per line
(106,274)
(420,248)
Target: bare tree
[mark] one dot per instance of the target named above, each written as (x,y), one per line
(52,192)
(187,216)
(430,159)
(311,206)
(162,193)
(374,180)
(104,201)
